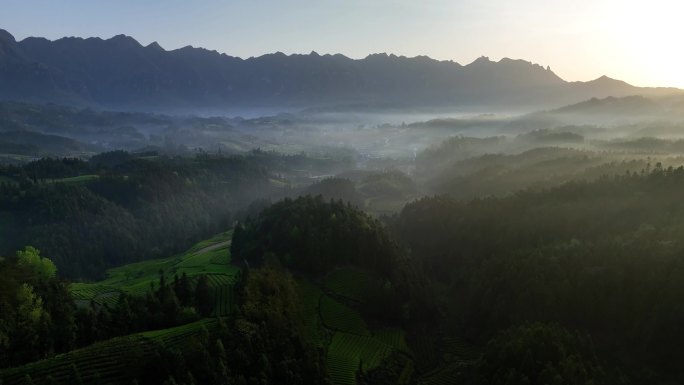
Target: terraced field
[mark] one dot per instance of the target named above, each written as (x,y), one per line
(342,368)
(341,318)
(311,296)
(210,257)
(224,299)
(116,361)
(458,358)
(349,352)
(339,328)
(84,293)
(394,338)
(332,322)
(175,336)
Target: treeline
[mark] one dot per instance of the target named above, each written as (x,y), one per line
(168,305)
(39,317)
(468,168)
(262,343)
(36,309)
(312,236)
(603,258)
(126,209)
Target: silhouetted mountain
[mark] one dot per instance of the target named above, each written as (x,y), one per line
(630,105)
(120,72)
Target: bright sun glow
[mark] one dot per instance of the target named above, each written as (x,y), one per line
(648,40)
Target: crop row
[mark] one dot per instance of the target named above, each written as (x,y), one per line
(348,353)
(342,368)
(171,337)
(392,337)
(224,297)
(338,317)
(110,362)
(88,291)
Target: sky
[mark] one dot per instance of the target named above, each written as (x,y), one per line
(635,41)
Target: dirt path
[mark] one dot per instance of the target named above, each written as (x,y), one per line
(212,247)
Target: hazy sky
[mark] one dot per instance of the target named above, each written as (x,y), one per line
(636,41)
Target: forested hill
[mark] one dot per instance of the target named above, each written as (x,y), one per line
(118,208)
(603,258)
(120,72)
(578,284)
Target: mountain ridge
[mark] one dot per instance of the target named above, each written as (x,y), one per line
(119,72)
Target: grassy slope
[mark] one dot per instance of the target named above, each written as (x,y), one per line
(210,257)
(116,361)
(332,325)
(341,329)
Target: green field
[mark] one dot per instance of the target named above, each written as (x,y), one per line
(116,361)
(338,317)
(394,338)
(311,296)
(210,257)
(349,352)
(343,332)
(332,323)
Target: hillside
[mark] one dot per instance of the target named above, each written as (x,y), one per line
(446,292)
(120,72)
(210,258)
(340,316)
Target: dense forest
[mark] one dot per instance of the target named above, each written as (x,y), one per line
(574,284)
(117,208)
(39,319)
(545,257)
(602,258)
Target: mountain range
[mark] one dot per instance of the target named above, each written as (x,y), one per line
(121,73)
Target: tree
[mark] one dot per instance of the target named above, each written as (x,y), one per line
(539,354)
(41,268)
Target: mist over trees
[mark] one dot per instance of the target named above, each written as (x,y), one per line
(187,217)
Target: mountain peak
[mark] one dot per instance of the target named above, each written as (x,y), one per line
(6,37)
(79,68)
(155,46)
(480,61)
(124,39)
(606,80)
